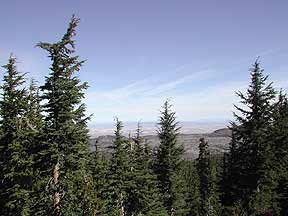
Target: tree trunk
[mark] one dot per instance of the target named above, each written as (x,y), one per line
(122,212)
(56,197)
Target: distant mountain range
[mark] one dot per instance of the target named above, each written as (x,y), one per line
(218,142)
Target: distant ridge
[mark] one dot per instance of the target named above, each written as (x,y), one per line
(218,142)
(149,128)
(222,132)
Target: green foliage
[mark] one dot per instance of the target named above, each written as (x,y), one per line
(117,174)
(168,157)
(65,134)
(252,177)
(207,171)
(192,187)
(46,167)
(95,184)
(144,198)
(279,134)
(20,124)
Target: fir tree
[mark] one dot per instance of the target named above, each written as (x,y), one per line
(279,135)
(143,195)
(231,175)
(33,123)
(210,203)
(179,194)
(95,184)
(252,153)
(65,141)
(118,175)
(192,186)
(16,156)
(168,156)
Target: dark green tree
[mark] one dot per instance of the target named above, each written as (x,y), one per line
(168,157)
(279,135)
(65,139)
(95,183)
(230,174)
(192,187)
(31,137)
(143,194)
(251,153)
(15,144)
(203,167)
(210,203)
(118,171)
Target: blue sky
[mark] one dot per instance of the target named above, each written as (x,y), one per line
(197,53)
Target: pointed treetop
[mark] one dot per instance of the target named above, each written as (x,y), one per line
(65,41)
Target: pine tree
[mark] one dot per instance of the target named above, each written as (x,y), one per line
(210,203)
(118,171)
(95,183)
(168,156)
(143,195)
(65,142)
(279,135)
(253,153)
(179,194)
(31,136)
(203,167)
(231,175)
(215,207)
(16,156)
(192,186)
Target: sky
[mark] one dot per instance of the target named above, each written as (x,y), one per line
(140,53)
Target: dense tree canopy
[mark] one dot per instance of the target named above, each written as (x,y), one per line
(48,166)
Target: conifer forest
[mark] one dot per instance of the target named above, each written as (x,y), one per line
(48,168)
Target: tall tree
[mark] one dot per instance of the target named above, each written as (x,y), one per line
(118,171)
(31,136)
(16,156)
(192,187)
(143,194)
(251,152)
(95,184)
(210,203)
(279,137)
(65,141)
(168,156)
(231,175)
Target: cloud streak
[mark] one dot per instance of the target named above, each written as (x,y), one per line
(212,103)
(147,87)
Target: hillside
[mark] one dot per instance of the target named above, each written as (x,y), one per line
(218,142)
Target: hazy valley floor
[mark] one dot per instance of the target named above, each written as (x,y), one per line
(218,142)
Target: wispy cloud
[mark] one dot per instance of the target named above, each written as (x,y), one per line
(127,91)
(143,99)
(211,103)
(149,87)
(164,87)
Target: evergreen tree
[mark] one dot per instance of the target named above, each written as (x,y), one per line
(203,167)
(168,156)
(65,141)
(118,171)
(210,204)
(279,135)
(143,195)
(251,152)
(192,186)
(16,156)
(95,184)
(231,175)
(31,136)
(179,194)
